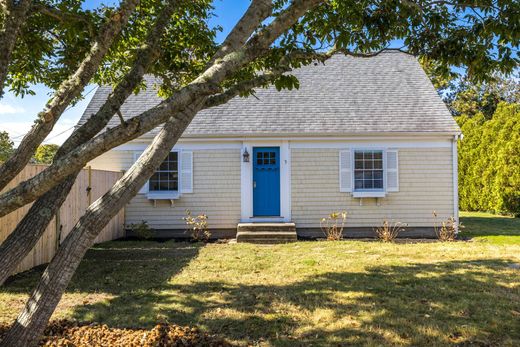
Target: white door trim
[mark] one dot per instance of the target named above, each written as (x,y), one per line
(246,181)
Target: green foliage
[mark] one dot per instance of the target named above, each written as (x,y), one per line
(489,161)
(54,41)
(45,153)
(466,98)
(142,230)
(480,36)
(6,146)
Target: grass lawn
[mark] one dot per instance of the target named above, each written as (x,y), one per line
(491,228)
(304,293)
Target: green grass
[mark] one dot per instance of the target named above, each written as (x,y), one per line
(491,228)
(304,293)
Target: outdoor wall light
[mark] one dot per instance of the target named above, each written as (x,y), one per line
(245,156)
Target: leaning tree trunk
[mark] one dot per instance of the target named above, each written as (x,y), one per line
(44,299)
(69,89)
(31,322)
(29,230)
(27,233)
(209,82)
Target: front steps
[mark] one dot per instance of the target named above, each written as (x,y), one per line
(266,233)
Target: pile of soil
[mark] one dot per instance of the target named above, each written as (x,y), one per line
(66,333)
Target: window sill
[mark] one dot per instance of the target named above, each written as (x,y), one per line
(163,195)
(375,194)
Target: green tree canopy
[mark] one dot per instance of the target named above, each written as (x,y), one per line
(45,153)
(467,98)
(6,146)
(489,161)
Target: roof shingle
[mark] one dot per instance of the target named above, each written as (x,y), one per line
(388,93)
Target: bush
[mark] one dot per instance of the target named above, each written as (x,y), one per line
(333,225)
(448,228)
(142,230)
(489,161)
(198,226)
(388,232)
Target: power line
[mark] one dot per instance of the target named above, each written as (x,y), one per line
(55,136)
(68,108)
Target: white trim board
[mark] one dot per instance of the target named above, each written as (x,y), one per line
(455,176)
(297,144)
(386,144)
(246,181)
(183,146)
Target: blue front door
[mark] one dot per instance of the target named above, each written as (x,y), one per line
(266,181)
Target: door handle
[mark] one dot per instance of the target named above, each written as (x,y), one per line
(254,184)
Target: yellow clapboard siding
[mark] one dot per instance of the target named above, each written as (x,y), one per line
(425,184)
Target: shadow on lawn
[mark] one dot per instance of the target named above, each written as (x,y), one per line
(490,225)
(456,302)
(135,272)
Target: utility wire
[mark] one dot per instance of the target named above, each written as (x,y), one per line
(68,108)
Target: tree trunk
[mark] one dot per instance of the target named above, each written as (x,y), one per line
(69,89)
(31,322)
(206,84)
(29,230)
(33,318)
(27,233)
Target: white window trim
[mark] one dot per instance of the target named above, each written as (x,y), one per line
(162,194)
(375,193)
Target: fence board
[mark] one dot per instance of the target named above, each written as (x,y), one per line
(72,209)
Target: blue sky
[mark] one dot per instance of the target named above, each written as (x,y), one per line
(17,114)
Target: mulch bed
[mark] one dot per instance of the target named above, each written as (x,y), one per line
(64,333)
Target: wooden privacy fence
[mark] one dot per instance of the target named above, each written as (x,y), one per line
(89,186)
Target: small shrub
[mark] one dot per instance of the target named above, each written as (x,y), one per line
(333,225)
(197,226)
(142,230)
(388,232)
(448,228)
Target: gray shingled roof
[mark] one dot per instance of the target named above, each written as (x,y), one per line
(389,93)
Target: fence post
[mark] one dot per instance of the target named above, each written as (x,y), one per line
(57,229)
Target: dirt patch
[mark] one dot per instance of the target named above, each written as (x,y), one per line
(65,333)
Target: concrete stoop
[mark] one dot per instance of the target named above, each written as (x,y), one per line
(266,233)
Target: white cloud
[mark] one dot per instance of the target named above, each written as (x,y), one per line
(9,109)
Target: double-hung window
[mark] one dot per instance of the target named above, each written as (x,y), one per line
(166,177)
(368,170)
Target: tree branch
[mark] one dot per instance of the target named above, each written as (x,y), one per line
(257,12)
(15,13)
(66,93)
(206,84)
(31,227)
(62,16)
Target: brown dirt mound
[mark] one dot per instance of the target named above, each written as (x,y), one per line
(65,333)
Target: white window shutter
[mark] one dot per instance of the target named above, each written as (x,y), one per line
(392,171)
(345,171)
(186,171)
(144,188)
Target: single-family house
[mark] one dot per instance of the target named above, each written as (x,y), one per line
(370,136)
